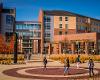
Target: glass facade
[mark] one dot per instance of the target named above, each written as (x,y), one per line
(47,28)
(28,32)
(9,19)
(28,26)
(31,30)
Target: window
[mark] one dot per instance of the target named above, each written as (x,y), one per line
(47,19)
(8,10)
(47,34)
(60,25)
(24,26)
(47,26)
(60,18)
(18,26)
(66,32)
(82,27)
(66,18)
(60,32)
(9,19)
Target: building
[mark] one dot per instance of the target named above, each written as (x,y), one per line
(0,16)
(29,36)
(67,32)
(7,29)
(7,20)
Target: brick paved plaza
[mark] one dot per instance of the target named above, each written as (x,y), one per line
(33,70)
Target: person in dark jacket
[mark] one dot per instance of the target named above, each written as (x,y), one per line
(45,62)
(78,61)
(66,66)
(91,67)
(29,56)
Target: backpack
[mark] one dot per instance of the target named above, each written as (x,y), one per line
(91,64)
(78,59)
(45,61)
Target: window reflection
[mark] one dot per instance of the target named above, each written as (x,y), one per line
(28,26)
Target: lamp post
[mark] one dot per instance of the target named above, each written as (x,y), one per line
(15,47)
(78,46)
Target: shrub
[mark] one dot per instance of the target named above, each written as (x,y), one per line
(72,57)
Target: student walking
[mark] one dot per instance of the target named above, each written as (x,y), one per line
(45,62)
(25,55)
(66,66)
(29,56)
(91,67)
(78,61)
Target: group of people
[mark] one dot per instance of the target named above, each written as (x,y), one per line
(67,65)
(90,65)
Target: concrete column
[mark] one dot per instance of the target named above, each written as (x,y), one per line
(49,49)
(56,48)
(86,47)
(39,46)
(33,46)
(21,45)
(73,48)
(95,48)
(59,48)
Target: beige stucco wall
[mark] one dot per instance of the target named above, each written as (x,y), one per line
(71,22)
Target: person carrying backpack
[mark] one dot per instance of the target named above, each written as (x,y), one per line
(66,66)
(91,67)
(45,62)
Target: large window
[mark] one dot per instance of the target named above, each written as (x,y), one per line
(47,26)
(18,26)
(9,19)
(28,26)
(28,34)
(47,19)
(24,26)
(82,28)
(47,34)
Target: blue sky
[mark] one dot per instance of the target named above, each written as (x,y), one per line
(29,9)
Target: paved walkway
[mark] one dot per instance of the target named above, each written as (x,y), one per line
(30,71)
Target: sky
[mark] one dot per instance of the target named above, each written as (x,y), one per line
(28,10)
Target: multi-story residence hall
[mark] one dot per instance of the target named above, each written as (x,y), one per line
(29,36)
(7,20)
(67,32)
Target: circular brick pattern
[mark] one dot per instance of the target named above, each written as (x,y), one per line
(55,71)
(50,71)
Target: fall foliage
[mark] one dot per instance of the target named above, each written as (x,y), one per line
(6,47)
